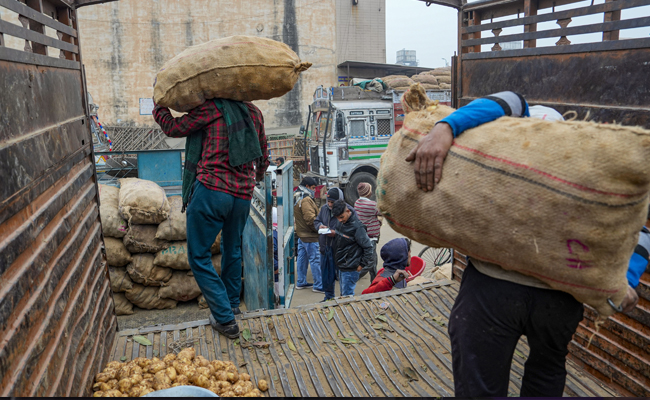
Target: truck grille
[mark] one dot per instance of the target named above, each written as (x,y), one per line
(383,127)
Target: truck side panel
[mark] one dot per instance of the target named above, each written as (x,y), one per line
(58,319)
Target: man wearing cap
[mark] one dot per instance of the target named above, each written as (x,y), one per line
(305,212)
(369,216)
(326,220)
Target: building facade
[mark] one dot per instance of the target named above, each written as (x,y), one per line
(128,41)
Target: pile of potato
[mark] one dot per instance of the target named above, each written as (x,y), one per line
(142,376)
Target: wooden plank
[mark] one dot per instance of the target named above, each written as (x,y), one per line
(576,12)
(35,37)
(36,59)
(530,9)
(611,16)
(574,48)
(574,30)
(20,8)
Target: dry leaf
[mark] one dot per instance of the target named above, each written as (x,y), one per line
(246,334)
(330,314)
(142,340)
(291,345)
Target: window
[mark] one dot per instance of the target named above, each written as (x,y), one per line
(357,127)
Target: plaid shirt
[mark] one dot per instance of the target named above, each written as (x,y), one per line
(214,169)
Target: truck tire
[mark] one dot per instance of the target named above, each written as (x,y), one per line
(351,194)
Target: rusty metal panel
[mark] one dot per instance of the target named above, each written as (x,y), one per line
(307,354)
(617,352)
(58,321)
(612,85)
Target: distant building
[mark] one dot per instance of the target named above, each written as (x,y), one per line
(407,57)
(512,45)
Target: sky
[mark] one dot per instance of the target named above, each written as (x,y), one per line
(432,31)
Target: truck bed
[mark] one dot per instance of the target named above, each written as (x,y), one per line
(411,358)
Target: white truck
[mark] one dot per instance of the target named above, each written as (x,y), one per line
(348,130)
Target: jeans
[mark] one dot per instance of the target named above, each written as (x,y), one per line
(208,213)
(486,322)
(348,282)
(328,272)
(308,255)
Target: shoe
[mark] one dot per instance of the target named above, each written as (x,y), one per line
(229,330)
(305,286)
(236,311)
(317,290)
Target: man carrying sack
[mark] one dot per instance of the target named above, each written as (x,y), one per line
(225,153)
(494,306)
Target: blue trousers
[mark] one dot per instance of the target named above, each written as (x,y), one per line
(328,272)
(348,281)
(308,255)
(208,213)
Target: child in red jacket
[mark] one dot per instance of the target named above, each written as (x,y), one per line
(397,256)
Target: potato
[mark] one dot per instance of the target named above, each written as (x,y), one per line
(147,382)
(239,390)
(229,393)
(102,377)
(161,380)
(169,359)
(147,391)
(98,394)
(201,361)
(231,368)
(224,386)
(214,388)
(112,393)
(218,365)
(136,379)
(182,379)
(200,380)
(232,377)
(136,370)
(263,385)
(244,377)
(187,353)
(114,365)
(142,362)
(248,385)
(171,373)
(147,376)
(203,371)
(124,385)
(221,376)
(157,366)
(136,391)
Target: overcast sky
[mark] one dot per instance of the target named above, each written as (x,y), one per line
(432,31)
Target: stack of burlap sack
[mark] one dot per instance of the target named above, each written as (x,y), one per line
(439,78)
(146,247)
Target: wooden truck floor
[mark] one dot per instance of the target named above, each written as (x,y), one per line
(306,357)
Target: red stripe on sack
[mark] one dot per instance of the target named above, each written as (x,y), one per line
(412,130)
(546,174)
(495,262)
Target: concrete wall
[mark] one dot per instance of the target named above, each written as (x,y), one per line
(361,31)
(126,42)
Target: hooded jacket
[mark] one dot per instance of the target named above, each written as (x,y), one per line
(353,246)
(305,212)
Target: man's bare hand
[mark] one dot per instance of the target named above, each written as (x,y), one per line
(400,275)
(359,268)
(630,300)
(332,233)
(429,155)
(259,175)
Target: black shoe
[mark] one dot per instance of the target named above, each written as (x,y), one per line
(236,311)
(229,330)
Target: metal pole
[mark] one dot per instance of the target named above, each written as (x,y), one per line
(307,147)
(327,125)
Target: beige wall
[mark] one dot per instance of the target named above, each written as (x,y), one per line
(361,31)
(124,43)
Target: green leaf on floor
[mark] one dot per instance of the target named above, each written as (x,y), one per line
(236,342)
(330,314)
(377,326)
(349,341)
(520,354)
(123,358)
(246,334)
(410,374)
(426,315)
(291,345)
(142,340)
(381,318)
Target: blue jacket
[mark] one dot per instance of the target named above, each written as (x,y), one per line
(490,108)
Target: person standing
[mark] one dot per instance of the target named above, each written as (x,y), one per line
(494,306)
(305,212)
(368,214)
(225,153)
(353,247)
(325,220)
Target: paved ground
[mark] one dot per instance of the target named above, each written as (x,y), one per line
(305,296)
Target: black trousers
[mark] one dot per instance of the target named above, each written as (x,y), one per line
(486,322)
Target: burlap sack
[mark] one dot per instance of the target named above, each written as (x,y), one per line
(237,68)
(427,86)
(216,263)
(401,82)
(392,77)
(113,224)
(147,297)
(442,71)
(174,256)
(116,253)
(142,239)
(143,271)
(445,86)
(422,78)
(174,227)
(120,279)
(122,305)
(216,246)
(443,79)
(561,201)
(142,202)
(401,88)
(180,287)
